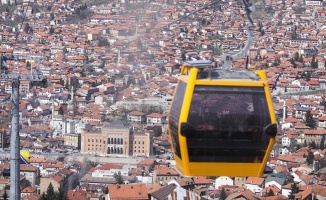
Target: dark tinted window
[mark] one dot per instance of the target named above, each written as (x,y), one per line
(175,115)
(228,124)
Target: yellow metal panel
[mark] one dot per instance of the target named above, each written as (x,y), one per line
(224,169)
(184,117)
(230,83)
(218,169)
(262,75)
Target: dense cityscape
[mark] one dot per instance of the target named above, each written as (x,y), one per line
(97,127)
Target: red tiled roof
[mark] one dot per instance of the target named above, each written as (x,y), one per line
(134,191)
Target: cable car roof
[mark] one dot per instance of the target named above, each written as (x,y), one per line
(206,71)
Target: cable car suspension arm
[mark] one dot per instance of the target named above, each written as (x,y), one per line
(227,58)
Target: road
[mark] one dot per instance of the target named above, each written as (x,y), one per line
(82,157)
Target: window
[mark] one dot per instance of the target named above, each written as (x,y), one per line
(174,116)
(228,124)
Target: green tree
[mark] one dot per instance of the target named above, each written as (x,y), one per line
(323,103)
(183,56)
(322,143)
(61,195)
(314,62)
(310,158)
(309,120)
(294,190)
(5,195)
(50,192)
(52,16)
(43,196)
(102,42)
(296,57)
(294,34)
(313,145)
(223,195)
(51,30)
(106,190)
(27,28)
(118,178)
(277,62)
(270,193)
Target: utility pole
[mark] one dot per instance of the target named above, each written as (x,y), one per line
(15,143)
(14,138)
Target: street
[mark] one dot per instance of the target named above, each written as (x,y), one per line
(83,157)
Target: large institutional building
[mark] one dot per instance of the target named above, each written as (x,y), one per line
(117,138)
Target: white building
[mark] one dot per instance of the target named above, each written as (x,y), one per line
(223,180)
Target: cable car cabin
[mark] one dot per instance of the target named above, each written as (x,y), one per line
(221,122)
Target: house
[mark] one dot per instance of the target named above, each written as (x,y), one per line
(28,191)
(276,181)
(314,135)
(126,192)
(223,180)
(246,194)
(322,121)
(64,179)
(267,189)
(240,181)
(164,174)
(147,164)
(32,174)
(255,184)
(81,194)
(136,117)
(156,118)
(170,191)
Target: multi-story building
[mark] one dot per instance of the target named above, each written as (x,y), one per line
(164,174)
(93,141)
(118,137)
(136,116)
(3,138)
(64,178)
(72,140)
(314,135)
(71,130)
(156,118)
(24,86)
(32,174)
(142,143)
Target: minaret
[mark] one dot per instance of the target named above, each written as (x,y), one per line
(284,110)
(119,58)
(72,92)
(52,108)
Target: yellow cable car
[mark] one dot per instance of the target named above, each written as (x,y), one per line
(221,122)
